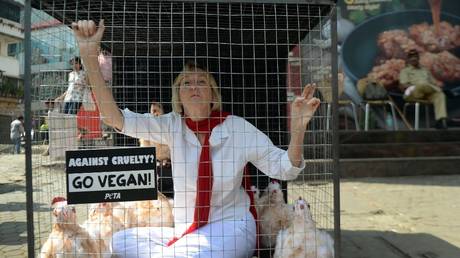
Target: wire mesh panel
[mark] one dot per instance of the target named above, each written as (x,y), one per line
(246,60)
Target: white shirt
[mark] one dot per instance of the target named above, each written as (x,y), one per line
(77,86)
(17,129)
(233,143)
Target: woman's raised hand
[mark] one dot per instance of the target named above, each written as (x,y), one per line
(88,37)
(303,108)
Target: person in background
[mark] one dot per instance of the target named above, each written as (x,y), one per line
(51,106)
(73,96)
(44,131)
(418,83)
(156,109)
(162,150)
(163,156)
(16,132)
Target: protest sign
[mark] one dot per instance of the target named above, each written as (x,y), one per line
(108,175)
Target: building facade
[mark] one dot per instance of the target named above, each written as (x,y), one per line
(11,84)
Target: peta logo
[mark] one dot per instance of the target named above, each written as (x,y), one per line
(112,196)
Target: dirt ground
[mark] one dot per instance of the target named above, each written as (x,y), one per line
(414,217)
(401,217)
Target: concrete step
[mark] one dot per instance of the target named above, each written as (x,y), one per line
(406,166)
(408,149)
(353,137)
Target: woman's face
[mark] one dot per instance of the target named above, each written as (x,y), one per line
(76,65)
(156,109)
(195,92)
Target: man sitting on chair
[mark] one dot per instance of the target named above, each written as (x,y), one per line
(418,83)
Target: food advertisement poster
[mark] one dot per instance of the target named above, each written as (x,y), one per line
(375,36)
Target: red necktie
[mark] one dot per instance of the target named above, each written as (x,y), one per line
(205,180)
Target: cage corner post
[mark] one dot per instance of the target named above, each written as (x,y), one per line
(28,124)
(335,131)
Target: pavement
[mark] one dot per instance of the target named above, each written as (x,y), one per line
(13,226)
(409,217)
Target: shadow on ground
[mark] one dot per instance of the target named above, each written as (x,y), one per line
(8,188)
(21,206)
(11,233)
(375,244)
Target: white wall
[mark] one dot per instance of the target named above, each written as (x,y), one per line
(10,32)
(10,66)
(11,29)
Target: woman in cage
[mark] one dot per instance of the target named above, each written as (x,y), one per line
(209,151)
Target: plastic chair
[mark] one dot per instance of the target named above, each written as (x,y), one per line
(383,103)
(417,104)
(342,103)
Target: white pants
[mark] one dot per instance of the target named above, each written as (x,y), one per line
(232,239)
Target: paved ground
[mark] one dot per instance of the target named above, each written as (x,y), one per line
(13,226)
(12,207)
(407,217)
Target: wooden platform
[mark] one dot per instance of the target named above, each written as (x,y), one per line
(370,244)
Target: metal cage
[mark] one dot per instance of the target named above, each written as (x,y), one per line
(261,53)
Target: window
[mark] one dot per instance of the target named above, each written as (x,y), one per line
(10,11)
(13,49)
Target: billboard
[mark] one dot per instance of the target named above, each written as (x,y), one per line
(375,36)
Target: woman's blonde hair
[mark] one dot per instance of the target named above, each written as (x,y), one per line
(216,103)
